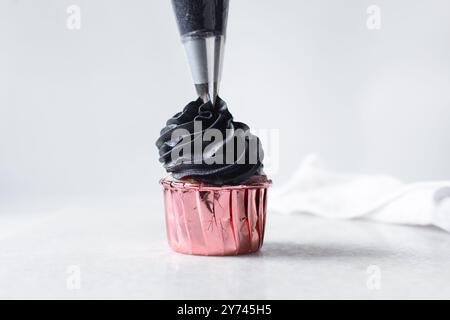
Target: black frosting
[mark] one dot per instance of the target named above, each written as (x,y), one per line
(241,164)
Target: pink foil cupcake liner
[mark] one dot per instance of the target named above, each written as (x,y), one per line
(215,220)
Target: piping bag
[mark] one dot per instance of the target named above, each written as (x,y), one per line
(202,25)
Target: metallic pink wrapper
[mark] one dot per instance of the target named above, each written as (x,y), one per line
(215,220)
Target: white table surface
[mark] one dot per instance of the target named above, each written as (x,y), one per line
(121,252)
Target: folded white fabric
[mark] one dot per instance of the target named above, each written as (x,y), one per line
(312,189)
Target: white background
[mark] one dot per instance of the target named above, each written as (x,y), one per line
(80,109)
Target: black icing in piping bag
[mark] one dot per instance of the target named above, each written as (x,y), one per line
(202,25)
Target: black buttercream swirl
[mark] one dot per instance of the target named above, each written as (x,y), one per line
(243,163)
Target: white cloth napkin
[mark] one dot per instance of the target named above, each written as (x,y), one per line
(314,190)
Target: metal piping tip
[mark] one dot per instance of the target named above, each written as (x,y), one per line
(208,91)
(205,57)
(202,25)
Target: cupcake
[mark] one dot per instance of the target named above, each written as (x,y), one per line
(215,195)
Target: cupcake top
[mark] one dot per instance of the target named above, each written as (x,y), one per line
(202,142)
